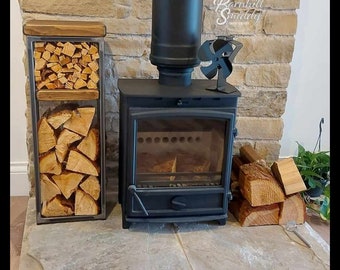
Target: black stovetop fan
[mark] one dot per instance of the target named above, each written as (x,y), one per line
(220,52)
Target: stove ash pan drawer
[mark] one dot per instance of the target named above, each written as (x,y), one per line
(178,205)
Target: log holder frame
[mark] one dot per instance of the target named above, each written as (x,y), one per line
(84,97)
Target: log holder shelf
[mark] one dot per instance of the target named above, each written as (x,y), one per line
(65,60)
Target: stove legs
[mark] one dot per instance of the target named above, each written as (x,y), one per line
(222,221)
(125,224)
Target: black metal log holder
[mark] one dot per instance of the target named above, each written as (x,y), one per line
(51,34)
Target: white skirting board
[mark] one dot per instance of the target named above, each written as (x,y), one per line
(19,184)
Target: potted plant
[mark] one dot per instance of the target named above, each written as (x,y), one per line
(314,168)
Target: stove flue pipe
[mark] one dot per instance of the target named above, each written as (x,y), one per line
(176,38)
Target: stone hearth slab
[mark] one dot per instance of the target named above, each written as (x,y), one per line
(104,244)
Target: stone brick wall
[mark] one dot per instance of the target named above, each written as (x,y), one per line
(261,69)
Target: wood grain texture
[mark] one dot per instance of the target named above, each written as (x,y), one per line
(259,186)
(288,174)
(61,94)
(64,28)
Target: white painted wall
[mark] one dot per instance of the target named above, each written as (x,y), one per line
(308,90)
(309,85)
(19,185)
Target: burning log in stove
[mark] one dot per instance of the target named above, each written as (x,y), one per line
(173,169)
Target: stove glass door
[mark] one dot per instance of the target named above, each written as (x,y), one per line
(181,147)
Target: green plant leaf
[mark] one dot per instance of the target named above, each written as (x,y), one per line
(325,209)
(314,168)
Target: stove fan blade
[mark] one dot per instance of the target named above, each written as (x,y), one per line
(220,52)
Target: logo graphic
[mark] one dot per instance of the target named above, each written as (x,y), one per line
(237,11)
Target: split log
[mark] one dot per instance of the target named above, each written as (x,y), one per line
(91,186)
(48,189)
(47,139)
(259,186)
(192,163)
(149,163)
(78,162)
(237,162)
(58,206)
(81,120)
(248,215)
(85,204)
(234,184)
(172,162)
(89,145)
(289,176)
(68,137)
(65,139)
(293,209)
(68,182)
(61,151)
(249,155)
(58,118)
(48,163)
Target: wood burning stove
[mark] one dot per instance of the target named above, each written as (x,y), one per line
(175,151)
(176,137)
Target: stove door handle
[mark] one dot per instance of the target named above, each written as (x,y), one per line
(133,190)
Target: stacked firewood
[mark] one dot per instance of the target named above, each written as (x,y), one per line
(66,65)
(68,161)
(264,195)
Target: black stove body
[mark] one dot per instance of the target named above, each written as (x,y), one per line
(175,151)
(176,137)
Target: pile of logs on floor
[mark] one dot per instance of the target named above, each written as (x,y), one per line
(265,195)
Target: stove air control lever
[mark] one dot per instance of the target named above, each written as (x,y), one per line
(178,203)
(133,190)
